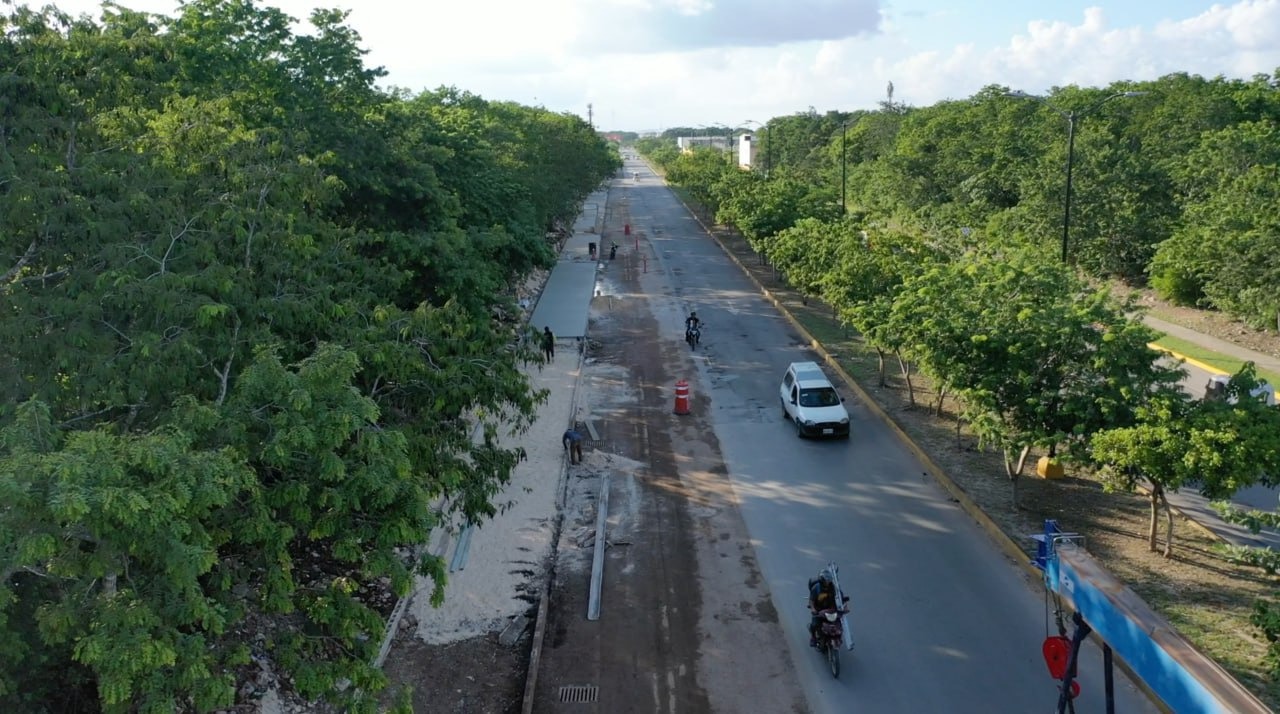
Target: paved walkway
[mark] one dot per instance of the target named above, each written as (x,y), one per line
(1190,503)
(566,297)
(1263,361)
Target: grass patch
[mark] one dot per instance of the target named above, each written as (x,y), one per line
(1230,365)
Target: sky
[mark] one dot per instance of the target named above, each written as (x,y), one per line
(648,65)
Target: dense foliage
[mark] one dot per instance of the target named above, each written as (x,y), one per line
(935,232)
(944,252)
(1175,186)
(253,310)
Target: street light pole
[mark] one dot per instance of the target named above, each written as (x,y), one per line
(1066,208)
(1071,117)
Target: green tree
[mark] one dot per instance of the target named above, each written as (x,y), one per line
(865,279)
(239,262)
(1234,211)
(700,171)
(661,151)
(805,252)
(1037,360)
(1219,445)
(113,538)
(761,208)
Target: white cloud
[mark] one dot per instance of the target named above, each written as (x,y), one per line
(654,63)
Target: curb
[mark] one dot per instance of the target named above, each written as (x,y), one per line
(1189,360)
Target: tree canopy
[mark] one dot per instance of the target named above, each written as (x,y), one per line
(1173,182)
(254,304)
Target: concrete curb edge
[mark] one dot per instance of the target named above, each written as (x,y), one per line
(1189,360)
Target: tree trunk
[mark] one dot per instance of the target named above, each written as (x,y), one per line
(942,395)
(905,366)
(1168,517)
(1014,471)
(959,444)
(1154,498)
(880,363)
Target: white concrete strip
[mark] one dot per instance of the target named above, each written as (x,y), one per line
(597,558)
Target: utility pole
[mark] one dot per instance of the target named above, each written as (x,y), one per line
(1072,117)
(590,123)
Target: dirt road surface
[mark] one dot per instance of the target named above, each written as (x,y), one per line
(686,625)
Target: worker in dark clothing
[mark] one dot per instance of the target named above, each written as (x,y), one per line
(548,344)
(572,441)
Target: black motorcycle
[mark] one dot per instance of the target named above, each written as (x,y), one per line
(693,335)
(830,636)
(829,632)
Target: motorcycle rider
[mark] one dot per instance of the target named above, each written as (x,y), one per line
(822,596)
(691,323)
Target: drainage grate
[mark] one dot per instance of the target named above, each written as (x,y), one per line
(584,694)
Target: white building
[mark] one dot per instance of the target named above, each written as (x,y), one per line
(686,143)
(747,149)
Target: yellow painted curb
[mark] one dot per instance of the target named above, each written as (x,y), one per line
(1194,362)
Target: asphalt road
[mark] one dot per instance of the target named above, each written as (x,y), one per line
(942,620)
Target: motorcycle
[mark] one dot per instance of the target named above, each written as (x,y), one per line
(832,628)
(693,335)
(830,636)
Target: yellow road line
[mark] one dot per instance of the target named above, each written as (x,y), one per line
(1194,362)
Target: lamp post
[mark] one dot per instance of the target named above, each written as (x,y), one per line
(1072,117)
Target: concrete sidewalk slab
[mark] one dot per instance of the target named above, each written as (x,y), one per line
(565,299)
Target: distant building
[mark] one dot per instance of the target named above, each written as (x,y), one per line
(687,143)
(747,151)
